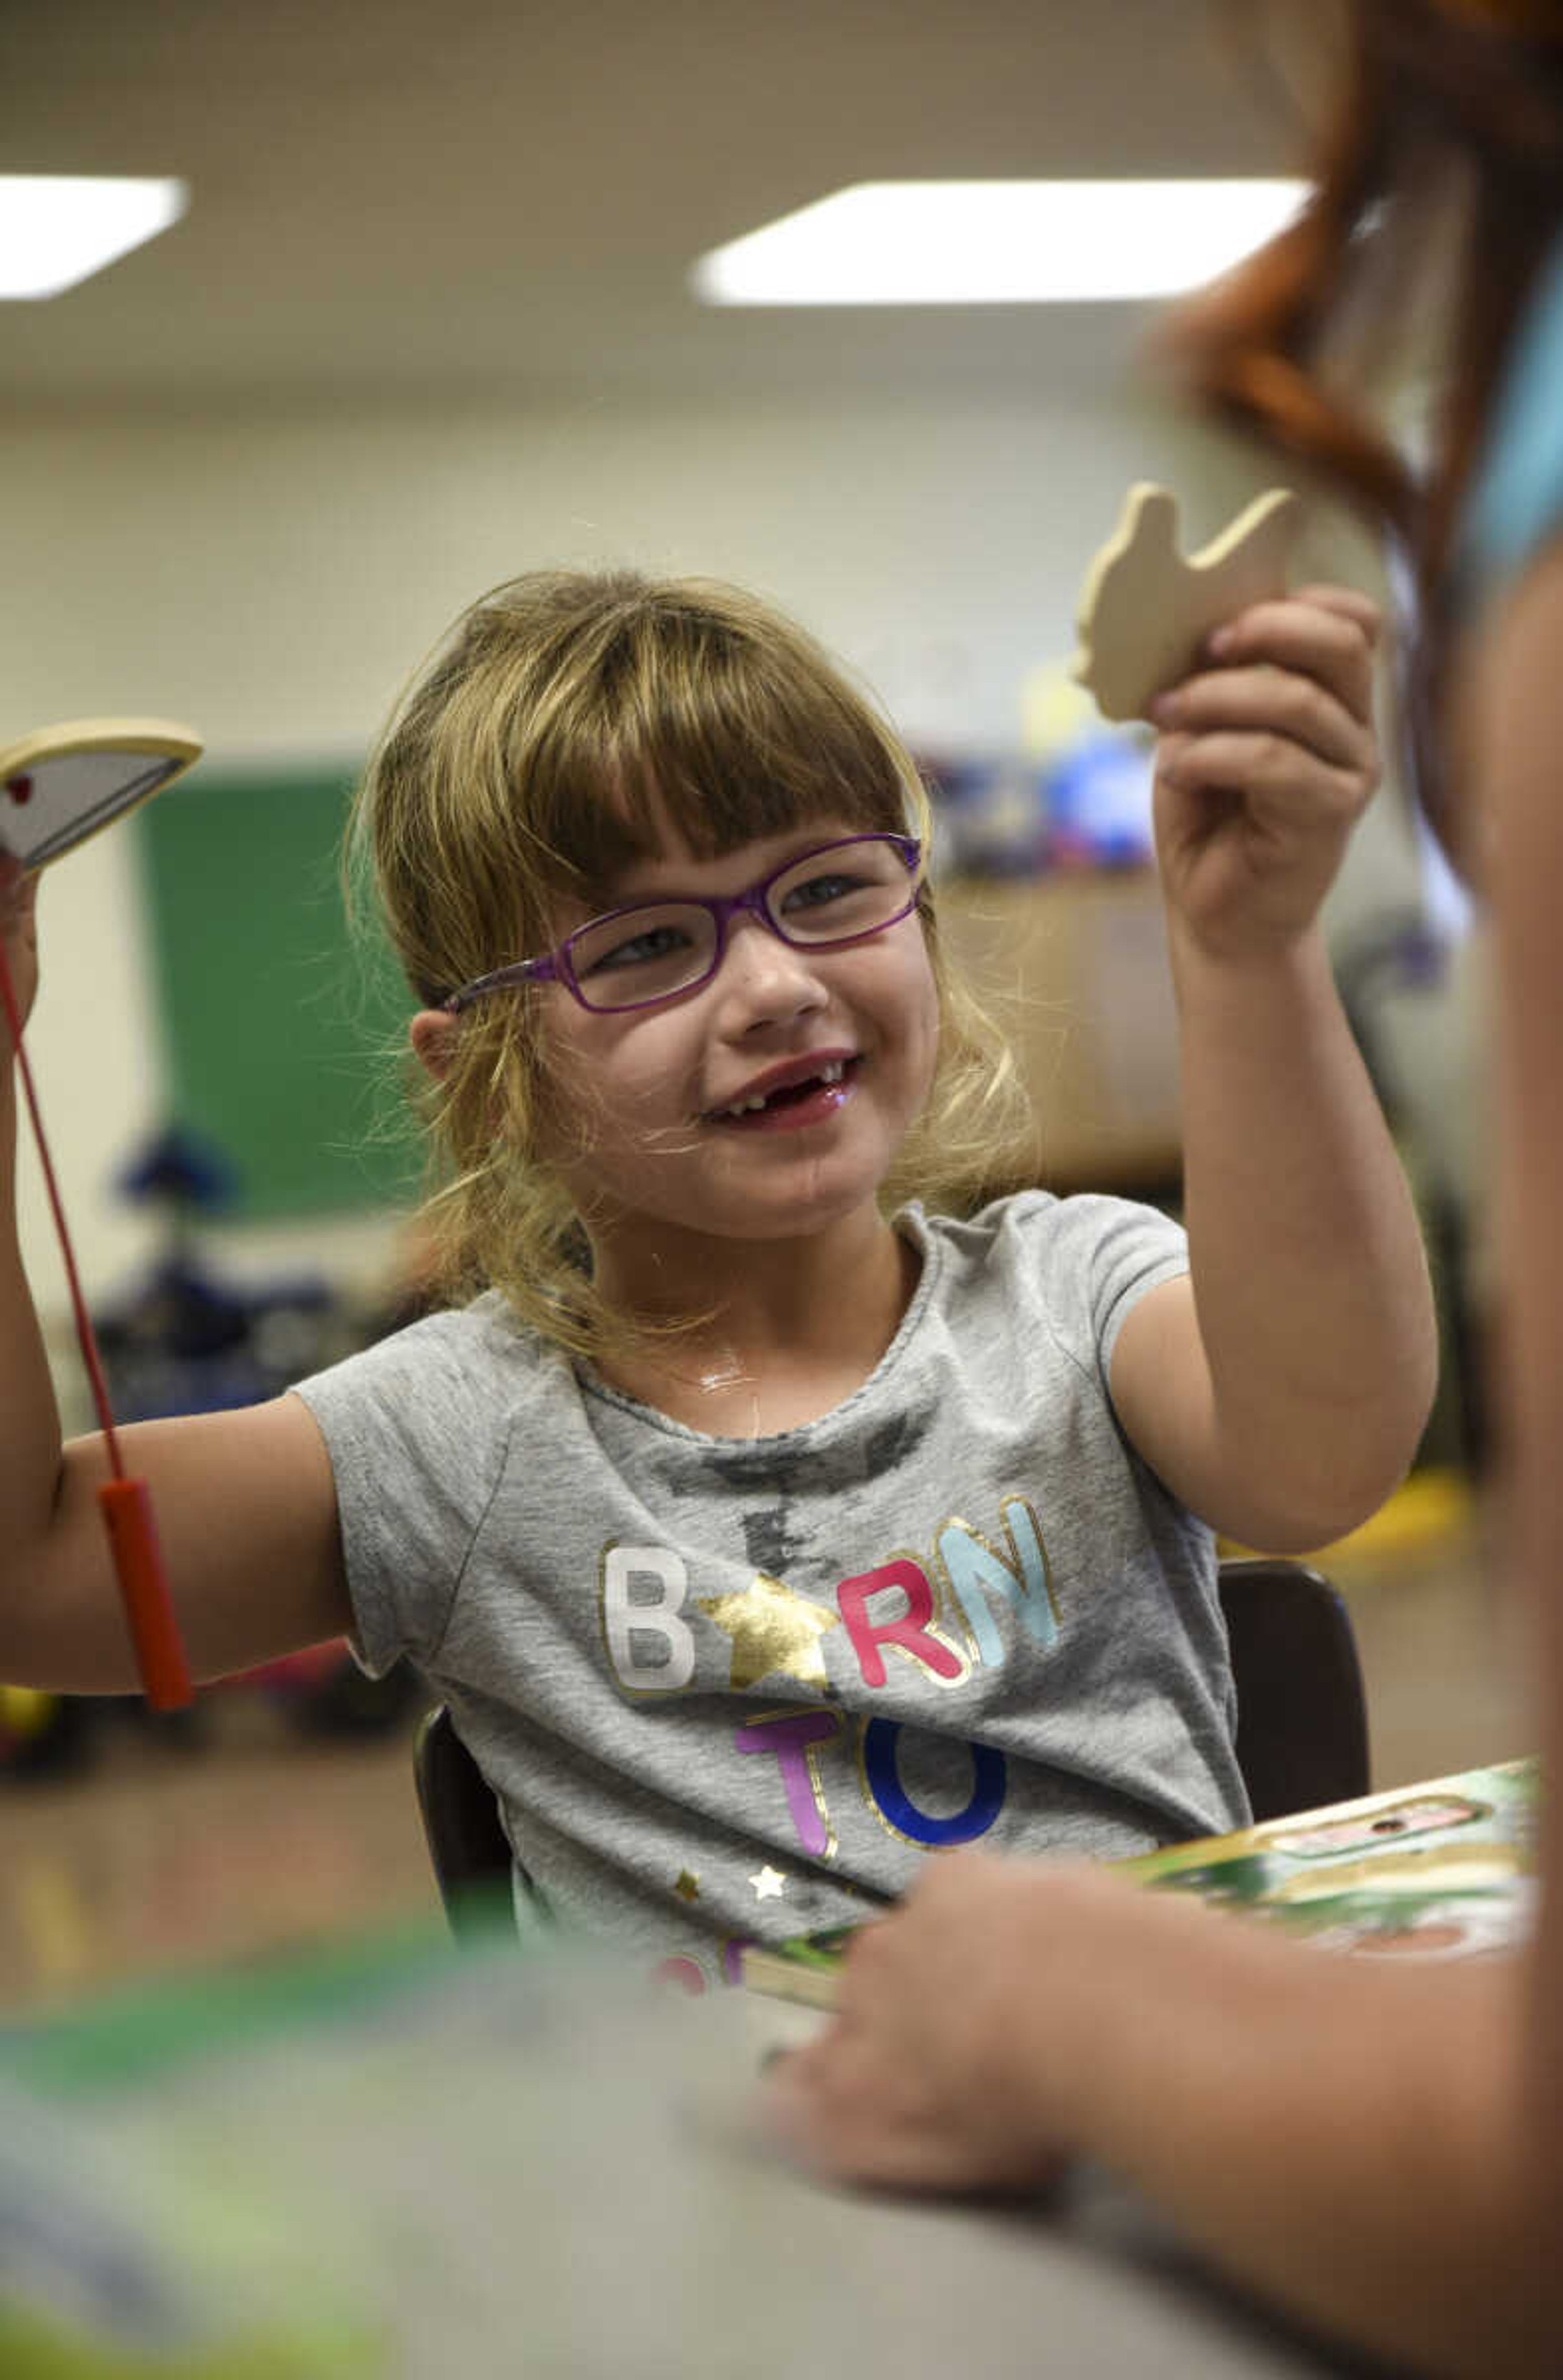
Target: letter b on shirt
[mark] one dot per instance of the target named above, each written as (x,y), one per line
(652,1651)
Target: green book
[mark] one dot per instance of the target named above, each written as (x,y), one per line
(1441,1870)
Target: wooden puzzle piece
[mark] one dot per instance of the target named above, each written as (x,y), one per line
(1145,611)
(61,784)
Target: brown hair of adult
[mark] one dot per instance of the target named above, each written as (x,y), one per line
(566,721)
(1433,100)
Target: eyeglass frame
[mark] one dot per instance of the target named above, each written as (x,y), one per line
(557,966)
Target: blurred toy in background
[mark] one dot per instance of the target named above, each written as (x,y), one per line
(185,1339)
(991,814)
(1096,779)
(42,1735)
(1075,795)
(322,1691)
(319,1693)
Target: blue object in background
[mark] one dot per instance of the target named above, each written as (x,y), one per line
(183,1169)
(1098,798)
(1084,805)
(184,1339)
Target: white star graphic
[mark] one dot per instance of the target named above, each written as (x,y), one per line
(769,1885)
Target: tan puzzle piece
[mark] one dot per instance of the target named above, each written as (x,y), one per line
(1145,611)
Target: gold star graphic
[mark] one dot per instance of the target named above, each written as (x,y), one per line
(688,1885)
(769,1885)
(774,1631)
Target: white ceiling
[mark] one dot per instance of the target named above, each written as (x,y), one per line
(493,199)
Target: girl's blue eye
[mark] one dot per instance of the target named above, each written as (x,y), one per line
(641,949)
(817,890)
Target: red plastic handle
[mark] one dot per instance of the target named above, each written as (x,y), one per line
(143,1583)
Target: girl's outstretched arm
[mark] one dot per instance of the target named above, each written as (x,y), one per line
(245,1502)
(1281,1389)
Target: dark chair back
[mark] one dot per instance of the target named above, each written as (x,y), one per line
(1303,1718)
(470,1848)
(1302,1733)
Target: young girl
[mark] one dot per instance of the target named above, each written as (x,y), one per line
(765,1531)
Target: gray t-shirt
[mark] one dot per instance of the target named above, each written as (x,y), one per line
(729,1689)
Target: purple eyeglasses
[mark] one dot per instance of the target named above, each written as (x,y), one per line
(631,958)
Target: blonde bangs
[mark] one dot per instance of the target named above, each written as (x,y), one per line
(693,711)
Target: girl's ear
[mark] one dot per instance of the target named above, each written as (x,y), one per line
(432,1033)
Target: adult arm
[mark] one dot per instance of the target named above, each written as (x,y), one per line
(1518,734)
(1336,2134)
(1378,2147)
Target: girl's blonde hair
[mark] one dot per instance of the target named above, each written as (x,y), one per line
(569,717)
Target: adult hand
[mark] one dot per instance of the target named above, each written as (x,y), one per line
(1264,764)
(959,2024)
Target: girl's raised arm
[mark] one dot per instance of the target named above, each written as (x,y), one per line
(1280,1390)
(245,1501)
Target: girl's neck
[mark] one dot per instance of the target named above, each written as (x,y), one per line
(789,1328)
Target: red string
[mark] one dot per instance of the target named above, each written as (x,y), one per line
(79,1305)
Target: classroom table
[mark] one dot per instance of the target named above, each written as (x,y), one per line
(402,2158)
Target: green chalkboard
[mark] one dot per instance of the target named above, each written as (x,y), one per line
(281,1031)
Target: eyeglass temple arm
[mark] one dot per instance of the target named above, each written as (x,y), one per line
(542,970)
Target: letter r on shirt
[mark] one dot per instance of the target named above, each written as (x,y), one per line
(910,1630)
(630,1613)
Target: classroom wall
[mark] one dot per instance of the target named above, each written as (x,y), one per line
(271,579)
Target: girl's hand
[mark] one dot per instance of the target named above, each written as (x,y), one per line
(936,2072)
(19,922)
(1266,761)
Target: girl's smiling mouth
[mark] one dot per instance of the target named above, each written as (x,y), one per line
(804,1091)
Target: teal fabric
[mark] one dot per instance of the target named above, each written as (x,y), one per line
(1516,501)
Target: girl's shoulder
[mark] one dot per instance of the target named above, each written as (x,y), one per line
(464,1370)
(1039,1225)
(1074,1264)
(486,1331)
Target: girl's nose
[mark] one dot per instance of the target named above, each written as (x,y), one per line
(762,978)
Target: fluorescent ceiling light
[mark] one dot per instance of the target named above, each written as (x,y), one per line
(58,229)
(997,243)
